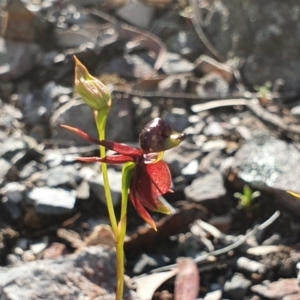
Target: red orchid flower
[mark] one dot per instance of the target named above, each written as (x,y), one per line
(151,176)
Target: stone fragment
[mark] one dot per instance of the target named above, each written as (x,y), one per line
(52,201)
(129,66)
(184,42)
(8,238)
(178,119)
(87,275)
(37,107)
(29,169)
(104,6)
(12,62)
(191,169)
(180,157)
(147,262)
(237,287)
(22,244)
(296,111)
(62,176)
(97,186)
(54,159)
(11,208)
(222,223)
(13,259)
(9,116)
(75,38)
(14,192)
(262,250)
(212,86)
(120,123)
(214,145)
(83,190)
(281,289)
(11,147)
(268,163)
(274,239)
(250,266)
(175,64)
(38,246)
(166,27)
(213,129)
(249,31)
(4,168)
(74,113)
(206,187)
(136,13)
(215,295)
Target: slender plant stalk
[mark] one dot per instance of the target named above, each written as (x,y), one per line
(101,118)
(97,96)
(126,178)
(120,229)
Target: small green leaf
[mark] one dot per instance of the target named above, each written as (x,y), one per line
(127,172)
(246,199)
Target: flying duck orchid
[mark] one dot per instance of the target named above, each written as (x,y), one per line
(150,176)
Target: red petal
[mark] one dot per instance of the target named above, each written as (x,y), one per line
(111,159)
(121,148)
(160,177)
(150,181)
(141,187)
(141,210)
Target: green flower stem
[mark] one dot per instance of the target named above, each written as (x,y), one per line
(126,178)
(101,119)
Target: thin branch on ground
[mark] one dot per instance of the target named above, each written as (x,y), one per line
(229,248)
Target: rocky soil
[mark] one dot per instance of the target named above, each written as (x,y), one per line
(225,73)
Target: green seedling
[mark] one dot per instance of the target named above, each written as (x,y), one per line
(264,92)
(247,197)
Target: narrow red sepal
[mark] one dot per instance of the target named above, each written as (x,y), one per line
(141,210)
(110,159)
(121,148)
(82,134)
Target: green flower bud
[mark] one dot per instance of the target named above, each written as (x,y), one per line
(93,91)
(158,136)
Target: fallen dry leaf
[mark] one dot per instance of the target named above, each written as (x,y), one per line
(187,283)
(147,285)
(101,235)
